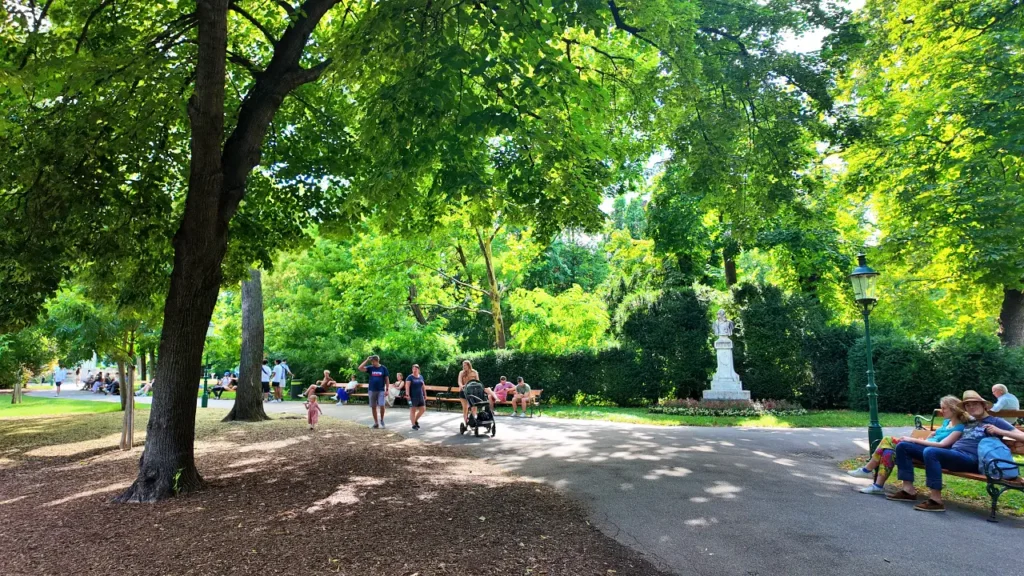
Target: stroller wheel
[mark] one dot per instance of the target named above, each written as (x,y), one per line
(462,428)
(494,428)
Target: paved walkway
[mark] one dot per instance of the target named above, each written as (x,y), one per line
(726,500)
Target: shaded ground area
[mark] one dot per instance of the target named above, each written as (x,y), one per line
(282,500)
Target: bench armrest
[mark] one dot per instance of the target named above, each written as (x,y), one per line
(996,469)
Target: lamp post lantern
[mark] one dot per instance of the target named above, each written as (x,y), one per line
(864,280)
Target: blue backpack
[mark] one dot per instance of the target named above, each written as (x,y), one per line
(990,449)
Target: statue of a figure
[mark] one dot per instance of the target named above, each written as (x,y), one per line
(725,385)
(723,326)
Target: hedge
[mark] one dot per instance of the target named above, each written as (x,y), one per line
(912,375)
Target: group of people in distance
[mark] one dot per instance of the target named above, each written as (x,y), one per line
(954,446)
(272,379)
(382,392)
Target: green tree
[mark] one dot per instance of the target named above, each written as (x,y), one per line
(670,331)
(934,91)
(743,143)
(416,92)
(571,321)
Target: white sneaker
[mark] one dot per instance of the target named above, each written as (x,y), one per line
(872,490)
(861,473)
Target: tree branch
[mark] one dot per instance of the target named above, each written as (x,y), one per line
(634,31)
(244,62)
(252,20)
(88,21)
(288,8)
(242,150)
(735,39)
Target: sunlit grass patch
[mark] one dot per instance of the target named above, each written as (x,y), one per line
(33,406)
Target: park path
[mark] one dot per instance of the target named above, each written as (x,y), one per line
(709,501)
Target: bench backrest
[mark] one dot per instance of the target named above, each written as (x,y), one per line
(1014,446)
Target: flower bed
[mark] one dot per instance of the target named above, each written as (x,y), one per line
(734,408)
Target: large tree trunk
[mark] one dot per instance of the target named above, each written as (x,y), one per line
(218,172)
(249,396)
(168,465)
(494,293)
(1011,317)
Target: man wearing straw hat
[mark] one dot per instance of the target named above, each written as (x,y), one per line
(962,456)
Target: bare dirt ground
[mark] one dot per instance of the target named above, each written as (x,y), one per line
(282,500)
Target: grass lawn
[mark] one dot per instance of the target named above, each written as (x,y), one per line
(819,419)
(958,490)
(32,406)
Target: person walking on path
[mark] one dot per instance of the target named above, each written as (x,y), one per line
(376,387)
(417,396)
(58,378)
(467,375)
(277,379)
(313,410)
(265,373)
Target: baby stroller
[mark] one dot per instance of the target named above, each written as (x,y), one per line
(484,418)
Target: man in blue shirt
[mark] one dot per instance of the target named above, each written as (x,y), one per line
(960,457)
(1004,401)
(378,383)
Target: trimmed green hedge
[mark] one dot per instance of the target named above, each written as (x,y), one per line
(912,376)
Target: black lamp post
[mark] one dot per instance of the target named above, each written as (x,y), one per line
(864,280)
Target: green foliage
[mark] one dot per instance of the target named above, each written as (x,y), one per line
(937,142)
(670,333)
(573,320)
(826,348)
(772,364)
(568,261)
(23,354)
(912,375)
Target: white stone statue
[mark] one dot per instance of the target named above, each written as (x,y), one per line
(725,385)
(723,326)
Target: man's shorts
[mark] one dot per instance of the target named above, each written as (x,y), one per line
(58,384)
(266,387)
(275,384)
(377,398)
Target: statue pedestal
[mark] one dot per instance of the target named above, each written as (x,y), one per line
(725,385)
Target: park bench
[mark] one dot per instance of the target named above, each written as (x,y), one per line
(996,484)
(433,393)
(534,401)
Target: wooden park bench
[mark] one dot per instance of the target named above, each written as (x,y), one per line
(434,394)
(534,401)
(996,483)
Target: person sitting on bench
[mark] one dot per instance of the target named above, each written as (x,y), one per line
(145,389)
(522,396)
(226,384)
(883,461)
(1004,401)
(500,392)
(323,386)
(961,457)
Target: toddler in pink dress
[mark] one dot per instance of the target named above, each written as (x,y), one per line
(313,410)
